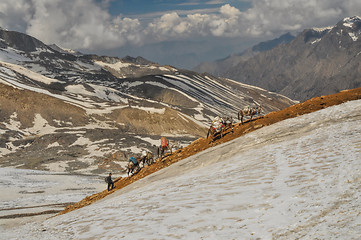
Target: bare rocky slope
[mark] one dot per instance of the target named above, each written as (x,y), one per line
(69,112)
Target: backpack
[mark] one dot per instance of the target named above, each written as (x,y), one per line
(163,142)
(133,160)
(107,179)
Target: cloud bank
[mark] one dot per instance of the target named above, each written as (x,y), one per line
(87,24)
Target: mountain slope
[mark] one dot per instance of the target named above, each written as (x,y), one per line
(201,144)
(298,178)
(317,62)
(66,111)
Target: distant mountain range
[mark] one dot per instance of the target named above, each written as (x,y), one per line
(65,111)
(316,62)
(222,66)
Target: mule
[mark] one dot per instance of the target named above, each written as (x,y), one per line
(133,168)
(228,123)
(249,111)
(164,146)
(216,128)
(147,158)
(163,149)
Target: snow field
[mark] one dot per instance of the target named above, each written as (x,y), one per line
(299,178)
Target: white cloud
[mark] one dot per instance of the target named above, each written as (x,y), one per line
(86,24)
(171,25)
(229,11)
(290,15)
(80,24)
(14,14)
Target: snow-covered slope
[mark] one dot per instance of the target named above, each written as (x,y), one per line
(29,195)
(299,178)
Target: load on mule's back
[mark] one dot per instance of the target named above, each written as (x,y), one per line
(146,158)
(228,123)
(133,166)
(249,111)
(164,142)
(216,128)
(164,145)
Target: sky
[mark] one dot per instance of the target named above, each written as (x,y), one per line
(272,183)
(181,33)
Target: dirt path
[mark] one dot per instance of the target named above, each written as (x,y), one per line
(201,144)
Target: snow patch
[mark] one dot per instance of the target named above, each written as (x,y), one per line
(31,191)
(316,41)
(201,124)
(348,22)
(116,66)
(28,73)
(14,124)
(81,141)
(57,166)
(323,29)
(54,144)
(12,55)
(353,36)
(41,126)
(150,110)
(133,149)
(149,140)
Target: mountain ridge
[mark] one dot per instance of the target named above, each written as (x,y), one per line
(221,66)
(121,106)
(315,63)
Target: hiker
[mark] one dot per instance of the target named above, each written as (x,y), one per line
(110,182)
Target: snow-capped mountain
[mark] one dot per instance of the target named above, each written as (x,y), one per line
(317,62)
(66,111)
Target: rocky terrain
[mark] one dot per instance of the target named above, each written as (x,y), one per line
(317,62)
(68,112)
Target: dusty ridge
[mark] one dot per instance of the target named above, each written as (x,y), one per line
(201,144)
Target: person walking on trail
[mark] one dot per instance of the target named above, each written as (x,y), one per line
(110,182)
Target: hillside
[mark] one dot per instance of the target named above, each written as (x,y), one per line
(297,178)
(64,111)
(202,144)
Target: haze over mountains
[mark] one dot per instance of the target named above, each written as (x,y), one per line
(222,66)
(317,62)
(65,111)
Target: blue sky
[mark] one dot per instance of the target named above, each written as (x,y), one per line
(181,33)
(156,8)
